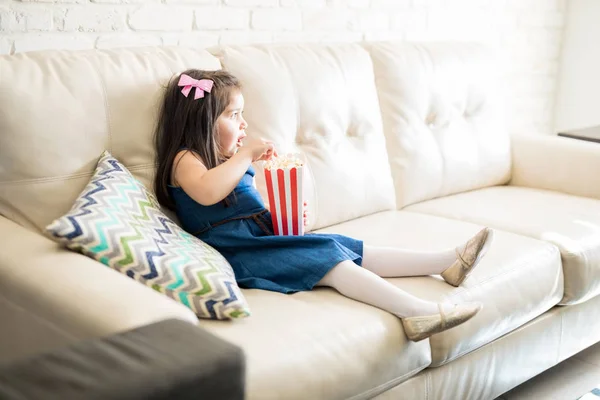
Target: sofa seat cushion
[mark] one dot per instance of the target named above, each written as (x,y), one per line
(319,345)
(571,223)
(518,279)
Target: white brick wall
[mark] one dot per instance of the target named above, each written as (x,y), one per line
(527,33)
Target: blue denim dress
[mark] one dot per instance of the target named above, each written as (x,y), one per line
(240,228)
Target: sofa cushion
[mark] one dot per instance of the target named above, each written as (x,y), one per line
(118,222)
(319,345)
(61,109)
(517,280)
(319,101)
(441,118)
(570,222)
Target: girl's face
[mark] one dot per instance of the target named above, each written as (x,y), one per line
(231,125)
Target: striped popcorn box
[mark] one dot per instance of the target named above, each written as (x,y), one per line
(284,177)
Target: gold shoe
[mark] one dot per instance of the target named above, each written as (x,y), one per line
(474,250)
(419,328)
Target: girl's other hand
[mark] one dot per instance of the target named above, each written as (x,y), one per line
(305,213)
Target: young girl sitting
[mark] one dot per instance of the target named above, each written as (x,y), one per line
(205,175)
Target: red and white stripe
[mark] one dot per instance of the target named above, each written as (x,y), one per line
(284,187)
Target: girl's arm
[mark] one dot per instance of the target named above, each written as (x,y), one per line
(208,187)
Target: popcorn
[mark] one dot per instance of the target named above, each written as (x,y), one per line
(287,161)
(284,178)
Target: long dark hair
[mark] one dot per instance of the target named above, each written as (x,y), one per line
(191,124)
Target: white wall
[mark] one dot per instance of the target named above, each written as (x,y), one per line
(527,33)
(578,92)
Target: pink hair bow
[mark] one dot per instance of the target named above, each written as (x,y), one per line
(202,85)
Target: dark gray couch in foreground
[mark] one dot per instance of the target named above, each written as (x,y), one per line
(171,359)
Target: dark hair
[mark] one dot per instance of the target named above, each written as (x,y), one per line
(191,124)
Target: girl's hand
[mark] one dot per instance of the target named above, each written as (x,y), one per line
(259,149)
(269,153)
(305,213)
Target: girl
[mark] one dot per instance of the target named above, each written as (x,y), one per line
(205,175)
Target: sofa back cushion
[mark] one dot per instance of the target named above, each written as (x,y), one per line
(441,109)
(59,110)
(319,101)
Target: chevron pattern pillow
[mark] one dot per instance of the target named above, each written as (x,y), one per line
(116,221)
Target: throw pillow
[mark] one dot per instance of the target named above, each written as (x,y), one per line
(117,221)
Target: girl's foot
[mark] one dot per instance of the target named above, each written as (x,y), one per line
(422,327)
(468,257)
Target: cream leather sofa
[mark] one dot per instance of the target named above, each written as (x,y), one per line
(405,145)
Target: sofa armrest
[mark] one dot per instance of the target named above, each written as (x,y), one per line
(50,296)
(166,360)
(556,163)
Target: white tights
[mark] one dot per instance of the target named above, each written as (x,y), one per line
(366,284)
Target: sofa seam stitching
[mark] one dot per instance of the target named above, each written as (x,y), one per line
(410,373)
(426,386)
(560,337)
(69,176)
(106,107)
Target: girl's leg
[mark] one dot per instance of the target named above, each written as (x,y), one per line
(420,318)
(395,262)
(360,284)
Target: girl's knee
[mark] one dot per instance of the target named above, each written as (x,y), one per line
(334,273)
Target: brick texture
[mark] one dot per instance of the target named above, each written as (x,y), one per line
(526,33)
(276,19)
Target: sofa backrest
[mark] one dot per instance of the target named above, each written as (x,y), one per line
(423,115)
(442,117)
(60,110)
(320,101)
